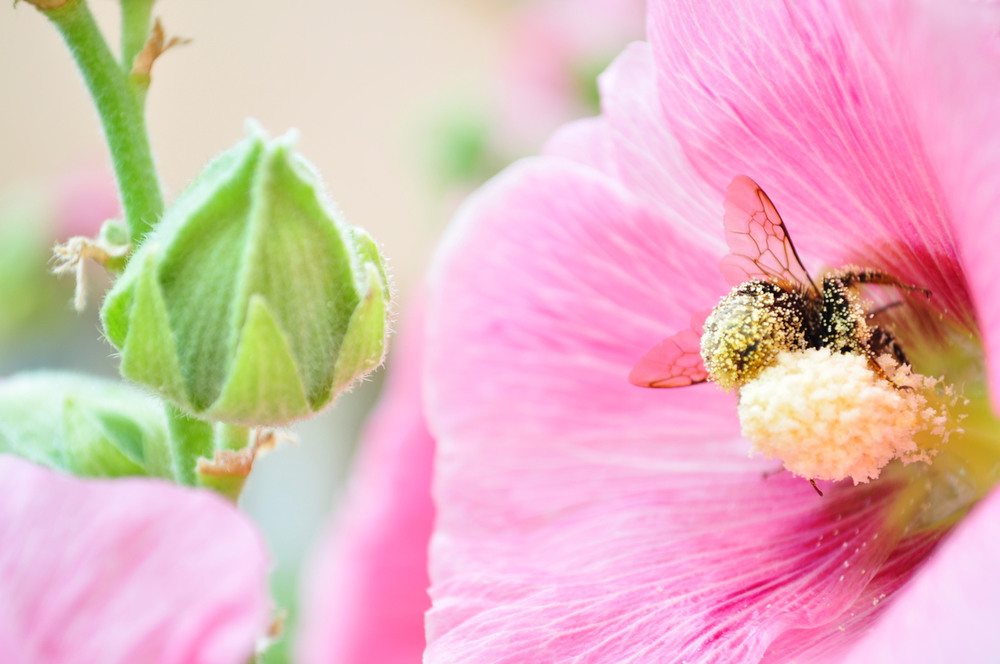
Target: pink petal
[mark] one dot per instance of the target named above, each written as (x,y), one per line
(366,594)
(948,612)
(579,521)
(630,143)
(650,160)
(586,142)
(579,516)
(707,567)
(945,57)
(599,280)
(85,199)
(790,95)
(125,571)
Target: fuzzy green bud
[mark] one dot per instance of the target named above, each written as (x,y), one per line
(83,425)
(252,302)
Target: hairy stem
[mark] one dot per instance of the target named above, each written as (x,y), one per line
(121,115)
(190,439)
(136,19)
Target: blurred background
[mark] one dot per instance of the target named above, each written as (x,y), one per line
(404,106)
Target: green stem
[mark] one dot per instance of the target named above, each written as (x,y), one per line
(232,437)
(190,439)
(136,19)
(121,116)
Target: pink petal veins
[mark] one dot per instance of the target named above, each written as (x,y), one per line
(789,94)
(960,579)
(945,58)
(125,571)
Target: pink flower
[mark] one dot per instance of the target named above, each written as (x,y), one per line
(125,571)
(365,594)
(583,519)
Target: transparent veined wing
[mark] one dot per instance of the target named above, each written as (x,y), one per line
(675,361)
(759,245)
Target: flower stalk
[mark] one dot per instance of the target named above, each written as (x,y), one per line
(190,440)
(119,106)
(136,19)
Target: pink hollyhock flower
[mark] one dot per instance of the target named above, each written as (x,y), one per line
(125,571)
(365,595)
(583,519)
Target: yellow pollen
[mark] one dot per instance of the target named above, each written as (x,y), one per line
(830,416)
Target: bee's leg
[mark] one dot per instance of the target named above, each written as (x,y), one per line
(877,368)
(769,473)
(884,308)
(881,340)
(853,275)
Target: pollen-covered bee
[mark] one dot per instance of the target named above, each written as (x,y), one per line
(774,306)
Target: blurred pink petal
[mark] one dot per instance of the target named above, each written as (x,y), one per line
(366,592)
(85,198)
(556,46)
(125,571)
(582,519)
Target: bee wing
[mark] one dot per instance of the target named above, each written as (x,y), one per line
(759,245)
(675,361)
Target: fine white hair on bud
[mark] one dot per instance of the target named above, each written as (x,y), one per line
(830,416)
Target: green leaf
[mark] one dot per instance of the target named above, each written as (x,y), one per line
(89,450)
(85,425)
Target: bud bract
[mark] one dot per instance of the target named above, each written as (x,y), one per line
(251,302)
(84,425)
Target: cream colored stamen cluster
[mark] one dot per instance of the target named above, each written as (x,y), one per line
(830,416)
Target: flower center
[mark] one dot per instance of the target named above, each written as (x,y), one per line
(829,415)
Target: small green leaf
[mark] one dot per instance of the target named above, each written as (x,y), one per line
(85,425)
(89,450)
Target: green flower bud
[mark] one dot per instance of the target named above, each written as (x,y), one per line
(83,425)
(251,302)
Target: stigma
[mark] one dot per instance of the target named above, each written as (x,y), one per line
(832,416)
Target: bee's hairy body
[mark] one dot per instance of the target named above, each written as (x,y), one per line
(759,319)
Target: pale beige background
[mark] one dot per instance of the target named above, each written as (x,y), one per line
(357,78)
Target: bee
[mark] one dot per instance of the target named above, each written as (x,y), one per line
(774,306)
